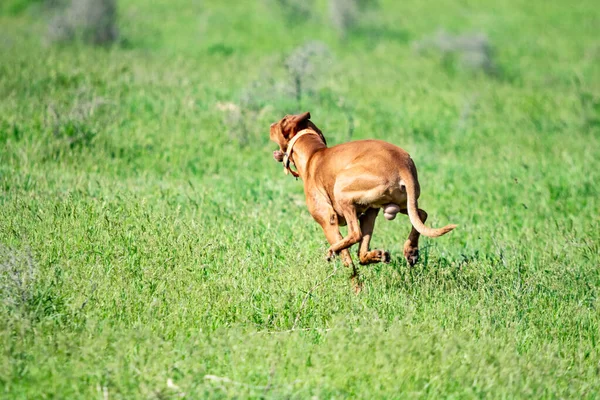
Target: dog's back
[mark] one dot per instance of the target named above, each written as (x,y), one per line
(376,157)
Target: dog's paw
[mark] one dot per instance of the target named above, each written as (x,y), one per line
(412,256)
(330,255)
(413,259)
(386,257)
(375,256)
(411,253)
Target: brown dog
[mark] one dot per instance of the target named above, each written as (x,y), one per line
(349,183)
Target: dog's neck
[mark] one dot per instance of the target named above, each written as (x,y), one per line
(304,149)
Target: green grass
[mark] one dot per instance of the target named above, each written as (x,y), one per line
(163,249)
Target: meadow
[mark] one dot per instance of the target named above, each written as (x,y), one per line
(150,247)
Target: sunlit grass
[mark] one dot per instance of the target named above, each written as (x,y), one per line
(172,259)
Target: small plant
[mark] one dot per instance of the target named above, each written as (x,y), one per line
(296,10)
(17,276)
(474,51)
(241,118)
(290,82)
(91,21)
(590,108)
(346,14)
(76,125)
(304,65)
(72,127)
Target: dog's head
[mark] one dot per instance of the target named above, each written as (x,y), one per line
(284,130)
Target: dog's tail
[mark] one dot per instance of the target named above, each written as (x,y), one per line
(411,184)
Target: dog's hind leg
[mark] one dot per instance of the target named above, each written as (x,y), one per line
(411,246)
(367,223)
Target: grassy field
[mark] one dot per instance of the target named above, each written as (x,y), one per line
(150,247)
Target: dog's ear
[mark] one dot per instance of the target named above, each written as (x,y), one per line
(291,123)
(302,117)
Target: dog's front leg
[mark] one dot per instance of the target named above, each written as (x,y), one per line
(354,233)
(322,212)
(326,216)
(341,245)
(332,233)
